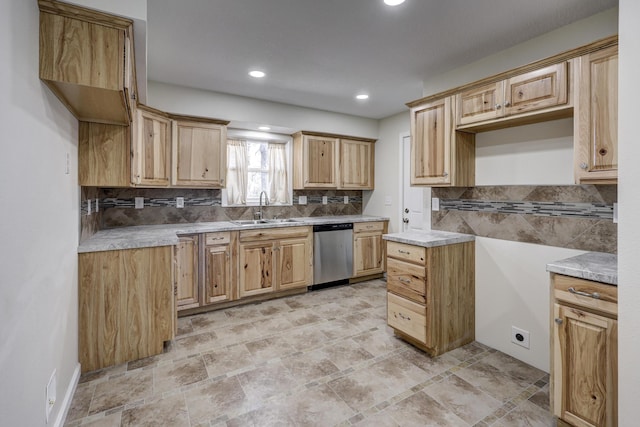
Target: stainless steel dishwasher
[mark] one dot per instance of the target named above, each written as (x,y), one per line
(332,254)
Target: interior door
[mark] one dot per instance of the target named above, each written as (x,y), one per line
(414,214)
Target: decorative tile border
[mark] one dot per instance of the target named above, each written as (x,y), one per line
(548,209)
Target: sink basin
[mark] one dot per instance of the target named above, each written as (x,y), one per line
(282,221)
(247,222)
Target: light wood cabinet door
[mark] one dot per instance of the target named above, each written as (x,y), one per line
(151,150)
(257,267)
(596,126)
(480,104)
(536,90)
(368,254)
(199,154)
(294,260)
(356,164)
(585,367)
(104,155)
(320,162)
(217,284)
(186,258)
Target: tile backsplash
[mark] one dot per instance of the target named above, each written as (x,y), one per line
(572,216)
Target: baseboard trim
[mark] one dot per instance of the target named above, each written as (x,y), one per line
(68,397)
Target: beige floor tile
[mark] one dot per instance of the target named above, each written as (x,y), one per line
(420,410)
(79,407)
(207,321)
(267,381)
(309,367)
(168,412)
(227,359)
(274,307)
(330,310)
(305,338)
(305,316)
(180,373)
(526,414)
(276,324)
(345,353)
(194,344)
(184,326)
(238,333)
(379,342)
(354,304)
(269,348)
(492,381)
(338,328)
(380,419)
(122,390)
(514,367)
(216,399)
(431,365)
(466,352)
(111,420)
(541,398)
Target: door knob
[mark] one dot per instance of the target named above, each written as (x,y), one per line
(405,220)
(406,210)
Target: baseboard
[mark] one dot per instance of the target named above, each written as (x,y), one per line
(68,397)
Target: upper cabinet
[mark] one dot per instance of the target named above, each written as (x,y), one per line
(440,156)
(86,59)
(596,123)
(151,149)
(332,161)
(199,152)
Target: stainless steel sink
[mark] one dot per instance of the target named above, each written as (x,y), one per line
(282,221)
(248,222)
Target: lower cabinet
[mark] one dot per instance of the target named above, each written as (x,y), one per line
(186,274)
(126,305)
(368,248)
(431,295)
(584,370)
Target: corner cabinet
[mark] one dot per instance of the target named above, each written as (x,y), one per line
(332,161)
(368,248)
(440,155)
(584,364)
(86,59)
(596,123)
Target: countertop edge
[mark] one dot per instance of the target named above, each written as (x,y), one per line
(429,239)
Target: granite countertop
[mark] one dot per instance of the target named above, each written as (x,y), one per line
(429,238)
(596,266)
(146,236)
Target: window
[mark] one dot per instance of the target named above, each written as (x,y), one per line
(257,170)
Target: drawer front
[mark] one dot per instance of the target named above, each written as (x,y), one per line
(360,227)
(408,280)
(407,317)
(275,233)
(222,238)
(410,253)
(606,302)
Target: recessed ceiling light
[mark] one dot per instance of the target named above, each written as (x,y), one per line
(264,128)
(257,74)
(393,2)
(362,96)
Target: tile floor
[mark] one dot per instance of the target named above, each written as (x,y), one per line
(325,358)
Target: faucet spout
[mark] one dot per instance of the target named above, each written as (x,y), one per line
(266,203)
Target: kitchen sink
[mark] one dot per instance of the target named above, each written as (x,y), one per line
(248,222)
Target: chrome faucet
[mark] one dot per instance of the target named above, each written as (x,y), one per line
(266,203)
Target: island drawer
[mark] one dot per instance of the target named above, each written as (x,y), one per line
(410,253)
(407,317)
(406,279)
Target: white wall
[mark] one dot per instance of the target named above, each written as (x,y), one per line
(39,228)
(629,214)
(184,100)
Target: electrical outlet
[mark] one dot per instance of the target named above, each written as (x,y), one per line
(67,163)
(139,202)
(89,207)
(435,204)
(302,200)
(179,202)
(520,337)
(346,200)
(97,205)
(50,396)
(615,213)
(324,200)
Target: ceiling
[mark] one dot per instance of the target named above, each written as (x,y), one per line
(321,53)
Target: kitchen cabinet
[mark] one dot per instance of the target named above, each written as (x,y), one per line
(584,371)
(431,295)
(535,90)
(368,248)
(199,152)
(220,260)
(440,155)
(186,274)
(332,161)
(86,59)
(356,164)
(596,118)
(151,148)
(104,155)
(126,305)
(274,260)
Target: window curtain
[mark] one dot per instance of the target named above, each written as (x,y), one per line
(277,181)
(236,172)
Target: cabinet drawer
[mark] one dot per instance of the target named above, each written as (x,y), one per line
(608,294)
(274,233)
(410,253)
(360,227)
(217,238)
(408,280)
(407,317)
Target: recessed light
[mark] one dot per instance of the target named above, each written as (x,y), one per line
(264,128)
(393,2)
(257,74)
(362,96)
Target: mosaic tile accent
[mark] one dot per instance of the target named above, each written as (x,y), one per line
(575,216)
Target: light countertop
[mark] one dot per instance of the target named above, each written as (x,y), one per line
(596,266)
(430,238)
(145,236)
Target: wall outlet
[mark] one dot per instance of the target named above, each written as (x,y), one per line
(302,200)
(97,205)
(435,204)
(615,213)
(88,206)
(520,337)
(50,396)
(324,200)
(67,163)
(179,202)
(346,200)
(139,202)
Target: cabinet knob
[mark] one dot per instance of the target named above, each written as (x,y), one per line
(558,321)
(498,106)
(507,104)
(445,174)
(583,165)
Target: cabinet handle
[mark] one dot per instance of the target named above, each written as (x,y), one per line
(402,316)
(445,174)
(558,321)
(508,104)
(498,106)
(583,165)
(400,251)
(594,295)
(403,280)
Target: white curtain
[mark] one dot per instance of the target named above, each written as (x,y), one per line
(278,181)
(236,172)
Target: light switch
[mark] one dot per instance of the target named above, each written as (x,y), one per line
(89,207)
(387,200)
(97,205)
(139,202)
(615,213)
(346,200)
(179,202)
(435,204)
(324,200)
(302,200)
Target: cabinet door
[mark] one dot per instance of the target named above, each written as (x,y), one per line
(151,150)
(431,134)
(543,88)
(104,155)
(294,263)
(217,284)
(480,104)
(186,272)
(368,254)
(199,154)
(256,268)
(596,140)
(320,162)
(585,367)
(356,164)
